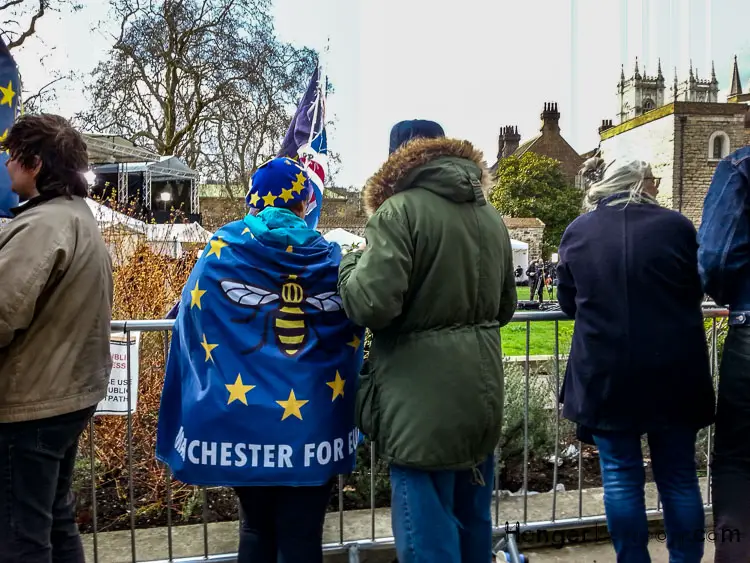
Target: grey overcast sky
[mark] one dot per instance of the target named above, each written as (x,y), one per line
(473,65)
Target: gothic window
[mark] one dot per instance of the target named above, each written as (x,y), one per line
(718,146)
(648,104)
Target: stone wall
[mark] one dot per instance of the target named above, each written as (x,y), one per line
(676,140)
(653,142)
(698,162)
(531,235)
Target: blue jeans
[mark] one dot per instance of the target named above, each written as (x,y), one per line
(443,516)
(675,473)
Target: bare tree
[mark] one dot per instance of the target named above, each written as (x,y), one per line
(18,18)
(205,80)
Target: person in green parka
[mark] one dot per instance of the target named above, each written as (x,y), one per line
(434,284)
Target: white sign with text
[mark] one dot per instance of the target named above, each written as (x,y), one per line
(116,400)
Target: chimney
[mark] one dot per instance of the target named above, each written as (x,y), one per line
(550,119)
(512,140)
(606,124)
(500,143)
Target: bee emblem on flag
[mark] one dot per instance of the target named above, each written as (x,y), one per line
(289,325)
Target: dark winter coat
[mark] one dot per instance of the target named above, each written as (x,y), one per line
(639,360)
(435,284)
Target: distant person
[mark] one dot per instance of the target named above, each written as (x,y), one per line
(519,274)
(55,313)
(639,361)
(537,274)
(434,284)
(531,276)
(724,259)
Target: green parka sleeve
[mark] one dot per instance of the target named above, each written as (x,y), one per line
(373,282)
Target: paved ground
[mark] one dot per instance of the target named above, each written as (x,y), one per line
(189,541)
(602,553)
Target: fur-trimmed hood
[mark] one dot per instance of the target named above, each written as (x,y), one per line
(449,167)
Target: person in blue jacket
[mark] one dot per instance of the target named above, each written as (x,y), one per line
(724,261)
(628,274)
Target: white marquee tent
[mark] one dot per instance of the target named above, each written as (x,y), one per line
(520,256)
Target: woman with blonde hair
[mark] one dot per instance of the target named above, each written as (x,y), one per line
(628,274)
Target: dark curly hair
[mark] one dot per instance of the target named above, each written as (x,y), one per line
(51,140)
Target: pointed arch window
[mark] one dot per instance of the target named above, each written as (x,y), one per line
(648,104)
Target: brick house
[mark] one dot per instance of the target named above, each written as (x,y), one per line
(549,142)
(683,140)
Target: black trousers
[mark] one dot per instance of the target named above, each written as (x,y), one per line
(282,524)
(731,456)
(37,507)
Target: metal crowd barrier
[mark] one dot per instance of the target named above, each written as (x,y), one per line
(352,548)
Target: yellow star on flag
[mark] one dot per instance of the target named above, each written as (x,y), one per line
(268,199)
(254,198)
(292,406)
(195,295)
(355,342)
(286,195)
(208,348)
(3,137)
(246,230)
(216,246)
(238,391)
(8,94)
(337,385)
(289,248)
(299,183)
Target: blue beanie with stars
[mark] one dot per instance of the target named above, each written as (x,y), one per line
(280,182)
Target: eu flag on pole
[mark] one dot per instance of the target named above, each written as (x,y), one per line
(263,366)
(306,142)
(10,105)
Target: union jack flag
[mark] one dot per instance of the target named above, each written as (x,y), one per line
(306,141)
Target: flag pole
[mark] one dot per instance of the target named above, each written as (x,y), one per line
(317,104)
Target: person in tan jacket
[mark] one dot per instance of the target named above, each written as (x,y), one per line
(55,313)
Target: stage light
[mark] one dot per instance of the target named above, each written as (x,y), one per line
(165,196)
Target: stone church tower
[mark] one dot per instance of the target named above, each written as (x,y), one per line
(639,93)
(695,90)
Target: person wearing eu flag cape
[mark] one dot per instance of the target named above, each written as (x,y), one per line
(262,371)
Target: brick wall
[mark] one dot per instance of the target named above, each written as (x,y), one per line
(531,236)
(698,164)
(553,145)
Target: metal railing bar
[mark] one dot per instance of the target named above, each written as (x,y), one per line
(526,426)
(170,539)
(580,479)
(131,495)
(341,508)
(94,515)
(519,316)
(204,516)
(557,416)
(372,491)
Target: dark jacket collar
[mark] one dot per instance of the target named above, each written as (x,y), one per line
(34,202)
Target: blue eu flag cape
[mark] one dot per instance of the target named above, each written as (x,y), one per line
(263,365)
(10,105)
